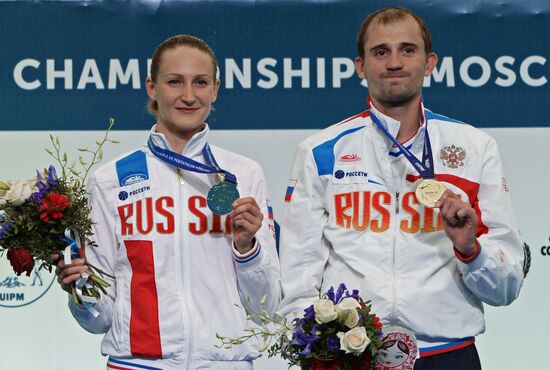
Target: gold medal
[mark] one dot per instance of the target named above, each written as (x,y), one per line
(429,191)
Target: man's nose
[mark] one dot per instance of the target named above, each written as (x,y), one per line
(395,61)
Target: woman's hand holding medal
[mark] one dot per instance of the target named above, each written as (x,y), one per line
(246,220)
(459,222)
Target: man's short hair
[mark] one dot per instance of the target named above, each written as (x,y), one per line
(389,15)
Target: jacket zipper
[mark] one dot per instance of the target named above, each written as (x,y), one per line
(394,272)
(185,281)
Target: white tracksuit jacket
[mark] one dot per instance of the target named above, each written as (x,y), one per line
(177,274)
(346,221)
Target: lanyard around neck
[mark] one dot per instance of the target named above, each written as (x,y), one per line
(424,167)
(189,164)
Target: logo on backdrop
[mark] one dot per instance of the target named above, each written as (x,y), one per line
(545,249)
(269,73)
(18,291)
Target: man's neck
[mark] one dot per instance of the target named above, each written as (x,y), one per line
(407,114)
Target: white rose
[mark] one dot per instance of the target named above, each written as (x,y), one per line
(20,191)
(4,187)
(354,341)
(347,312)
(324,311)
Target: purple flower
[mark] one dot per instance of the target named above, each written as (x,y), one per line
(333,344)
(341,289)
(354,294)
(330,295)
(5,227)
(300,338)
(309,313)
(52,176)
(44,185)
(38,195)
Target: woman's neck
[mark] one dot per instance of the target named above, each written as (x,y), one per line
(178,140)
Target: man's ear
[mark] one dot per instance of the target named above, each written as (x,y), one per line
(360,67)
(430,64)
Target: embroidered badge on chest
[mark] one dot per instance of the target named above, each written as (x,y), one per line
(452,156)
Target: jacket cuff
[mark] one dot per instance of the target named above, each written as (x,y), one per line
(250,258)
(468,259)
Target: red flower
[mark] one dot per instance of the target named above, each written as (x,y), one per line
(52,206)
(376,323)
(21,260)
(319,364)
(359,363)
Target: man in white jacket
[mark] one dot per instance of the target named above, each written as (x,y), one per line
(408,206)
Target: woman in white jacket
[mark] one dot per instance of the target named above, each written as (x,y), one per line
(180,265)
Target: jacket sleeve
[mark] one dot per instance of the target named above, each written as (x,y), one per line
(304,251)
(102,256)
(258,273)
(495,274)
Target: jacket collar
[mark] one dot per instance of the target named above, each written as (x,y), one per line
(192,149)
(393,126)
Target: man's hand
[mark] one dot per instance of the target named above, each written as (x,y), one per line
(246,220)
(459,222)
(68,274)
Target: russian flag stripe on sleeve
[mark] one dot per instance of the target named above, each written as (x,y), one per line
(250,255)
(144,318)
(290,189)
(269,210)
(124,365)
(444,348)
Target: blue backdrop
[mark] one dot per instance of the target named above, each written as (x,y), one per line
(69,65)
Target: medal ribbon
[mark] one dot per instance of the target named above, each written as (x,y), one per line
(188,164)
(72,251)
(424,167)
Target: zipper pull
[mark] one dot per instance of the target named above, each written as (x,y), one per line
(180,176)
(397,202)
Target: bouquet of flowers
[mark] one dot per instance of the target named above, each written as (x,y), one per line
(338,331)
(48,214)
